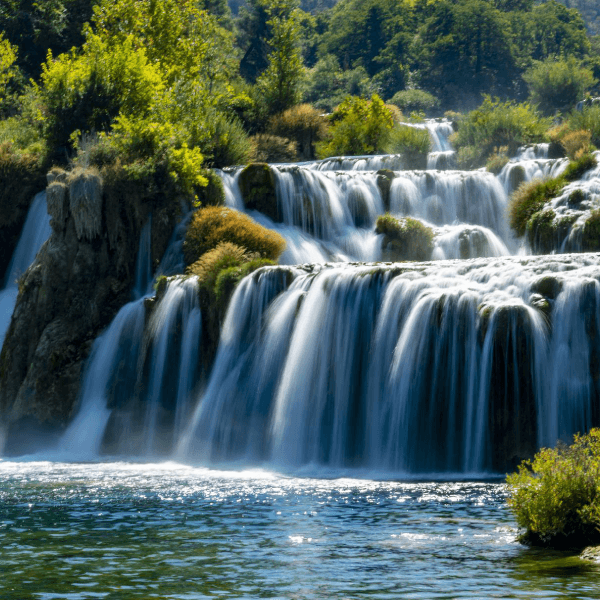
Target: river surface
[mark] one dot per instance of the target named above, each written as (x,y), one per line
(122,530)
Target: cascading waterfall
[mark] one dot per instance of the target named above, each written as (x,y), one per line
(144,369)
(35,232)
(409,368)
(406,368)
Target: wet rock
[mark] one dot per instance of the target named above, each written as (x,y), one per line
(549,286)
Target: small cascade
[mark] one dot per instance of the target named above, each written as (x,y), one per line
(35,232)
(143,269)
(439,132)
(110,372)
(325,366)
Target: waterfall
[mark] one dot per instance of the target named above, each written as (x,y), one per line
(413,368)
(35,232)
(141,373)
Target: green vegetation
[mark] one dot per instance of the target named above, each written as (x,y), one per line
(406,238)
(212,225)
(531,197)
(590,239)
(495,125)
(409,101)
(555,497)
(228,278)
(358,127)
(557,84)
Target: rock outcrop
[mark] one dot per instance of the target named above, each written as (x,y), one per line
(79,280)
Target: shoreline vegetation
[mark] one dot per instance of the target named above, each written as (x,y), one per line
(145,98)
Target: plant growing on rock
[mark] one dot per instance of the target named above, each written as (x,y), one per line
(556,496)
(211,225)
(414,144)
(532,196)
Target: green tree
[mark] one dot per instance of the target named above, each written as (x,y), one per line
(467,51)
(280,83)
(557,84)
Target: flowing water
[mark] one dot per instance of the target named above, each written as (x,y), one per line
(123,531)
(349,439)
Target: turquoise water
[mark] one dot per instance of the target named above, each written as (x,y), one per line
(120,531)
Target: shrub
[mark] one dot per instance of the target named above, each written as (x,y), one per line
(497,161)
(211,225)
(414,144)
(529,198)
(557,84)
(87,90)
(587,119)
(497,124)
(303,124)
(576,143)
(228,278)
(556,496)
(415,101)
(211,263)
(272,148)
(228,143)
(409,238)
(576,168)
(358,127)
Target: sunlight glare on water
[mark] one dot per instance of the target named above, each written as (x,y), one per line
(126,530)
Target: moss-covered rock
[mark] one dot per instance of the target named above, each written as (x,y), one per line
(257,184)
(590,238)
(404,239)
(549,286)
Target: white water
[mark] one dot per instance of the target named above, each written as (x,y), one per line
(35,232)
(438,367)
(395,368)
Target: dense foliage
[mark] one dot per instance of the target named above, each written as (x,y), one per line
(555,497)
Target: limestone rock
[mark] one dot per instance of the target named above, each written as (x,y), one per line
(85,195)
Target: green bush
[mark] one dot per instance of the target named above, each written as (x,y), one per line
(267,148)
(576,143)
(496,124)
(211,225)
(556,497)
(408,238)
(414,144)
(86,90)
(303,124)
(557,84)
(358,127)
(590,240)
(587,119)
(410,101)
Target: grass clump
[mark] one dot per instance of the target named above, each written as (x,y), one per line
(211,225)
(408,238)
(221,269)
(497,124)
(228,278)
(556,496)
